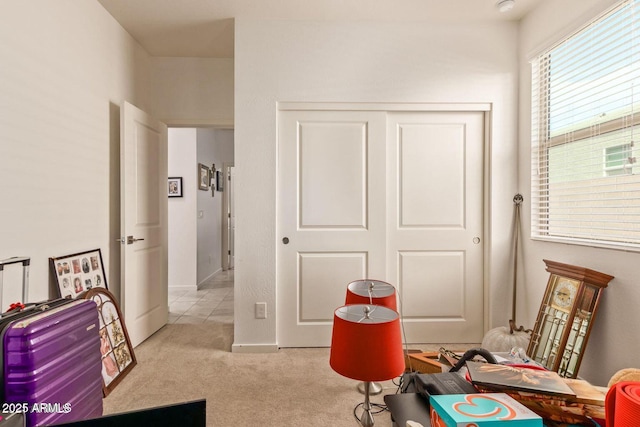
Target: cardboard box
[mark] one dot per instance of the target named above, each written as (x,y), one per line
(427,362)
(481,410)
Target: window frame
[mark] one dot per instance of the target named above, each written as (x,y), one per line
(543,141)
(626,166)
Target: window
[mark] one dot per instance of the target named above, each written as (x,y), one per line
(618,160)
(585,134)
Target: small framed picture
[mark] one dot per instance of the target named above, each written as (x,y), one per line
(77,273)
(212,179)
(219,180)
(203,177)
(174,186)
(117,354)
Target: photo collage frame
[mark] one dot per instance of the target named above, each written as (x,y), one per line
(77,273)
(115,347)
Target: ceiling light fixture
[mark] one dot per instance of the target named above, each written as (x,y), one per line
(505,5)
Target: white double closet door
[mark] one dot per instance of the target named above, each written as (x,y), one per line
(393,196)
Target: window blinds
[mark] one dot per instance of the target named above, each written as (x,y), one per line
(585,121)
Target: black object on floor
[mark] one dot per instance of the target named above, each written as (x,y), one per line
(407,407)
(189,414)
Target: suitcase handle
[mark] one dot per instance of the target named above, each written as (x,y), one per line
(25,261)
(14,260)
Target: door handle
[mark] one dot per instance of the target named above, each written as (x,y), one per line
(130,240)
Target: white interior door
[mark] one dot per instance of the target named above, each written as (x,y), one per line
(143,198)
(381,195)
(435,219)
(331,216)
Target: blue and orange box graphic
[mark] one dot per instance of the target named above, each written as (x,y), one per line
(480,410)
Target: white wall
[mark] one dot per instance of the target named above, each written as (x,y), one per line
(614,343)
(183,233)
(360,62)
(215,146)
(193,91)
(66,68)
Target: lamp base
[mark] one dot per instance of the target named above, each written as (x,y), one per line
(367,417)
(374,388)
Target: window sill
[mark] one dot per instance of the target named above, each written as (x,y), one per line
(626,247)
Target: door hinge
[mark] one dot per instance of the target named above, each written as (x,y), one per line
(229,252)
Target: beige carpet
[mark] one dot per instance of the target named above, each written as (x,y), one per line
(293,387)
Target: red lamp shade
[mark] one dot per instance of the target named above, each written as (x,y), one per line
(374,292)
(366,344)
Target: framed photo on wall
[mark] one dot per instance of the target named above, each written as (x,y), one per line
(77,273)
(212,179)
(203,177)
(219,180)
(115,347)
(174,187)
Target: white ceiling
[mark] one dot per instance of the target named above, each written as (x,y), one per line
(205,28)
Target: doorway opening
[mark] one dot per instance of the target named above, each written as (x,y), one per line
(198,220)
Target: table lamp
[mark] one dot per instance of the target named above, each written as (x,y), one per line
(373,292)
(366,345)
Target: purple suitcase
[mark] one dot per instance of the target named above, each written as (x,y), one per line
(52,362)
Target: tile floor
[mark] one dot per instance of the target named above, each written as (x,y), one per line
(212,302)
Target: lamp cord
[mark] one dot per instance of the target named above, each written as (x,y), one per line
(380,408)
(404,334)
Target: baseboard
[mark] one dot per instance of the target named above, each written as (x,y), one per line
(254,348)
(218,271)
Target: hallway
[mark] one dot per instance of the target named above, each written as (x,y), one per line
(212,302)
